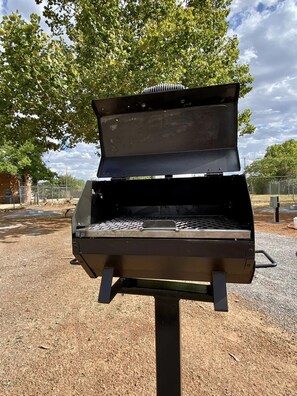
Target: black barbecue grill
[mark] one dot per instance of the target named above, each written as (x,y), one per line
(168,227)
(170,206)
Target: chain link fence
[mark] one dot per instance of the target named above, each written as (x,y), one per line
(261,188)
(39,194)
(272,186)
(54,195)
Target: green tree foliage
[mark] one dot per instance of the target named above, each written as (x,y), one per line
(35,81)
(63,181)
(35,108)
(70,182)
(102,49)
(23,160)
(279,160)
(122,47)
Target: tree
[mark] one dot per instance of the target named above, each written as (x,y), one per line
(63,181)
(70,182)
(35,81)
(122,47)
(113,47)
(35,85)
(23,160)
(279,160)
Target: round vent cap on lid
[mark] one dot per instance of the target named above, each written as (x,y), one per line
(163,88)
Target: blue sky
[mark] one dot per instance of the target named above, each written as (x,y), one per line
(267,33)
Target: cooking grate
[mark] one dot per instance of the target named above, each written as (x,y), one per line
(191,226)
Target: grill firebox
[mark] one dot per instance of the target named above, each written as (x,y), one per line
(176,228)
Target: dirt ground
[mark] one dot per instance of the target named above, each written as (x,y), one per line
(264,222)
(57,340)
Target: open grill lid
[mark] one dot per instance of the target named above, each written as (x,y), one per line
(173,132)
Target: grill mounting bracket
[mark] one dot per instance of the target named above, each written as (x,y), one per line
(216,292)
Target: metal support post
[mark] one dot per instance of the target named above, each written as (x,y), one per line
(276,215)
(167,322)
(274,203)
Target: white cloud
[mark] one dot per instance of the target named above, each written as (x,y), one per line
(248,54)
(80,162)
(268,36)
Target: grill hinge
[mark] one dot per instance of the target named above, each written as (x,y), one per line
(212,174)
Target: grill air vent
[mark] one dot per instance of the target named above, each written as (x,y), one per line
(163,88)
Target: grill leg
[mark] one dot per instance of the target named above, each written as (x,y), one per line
(219,291)
(167,346)
(108,290)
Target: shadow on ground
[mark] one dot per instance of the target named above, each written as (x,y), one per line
(15,224)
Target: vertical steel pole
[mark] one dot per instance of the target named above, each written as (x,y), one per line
(276,213)
(167,346)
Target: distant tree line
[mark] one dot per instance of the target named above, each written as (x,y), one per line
(278,163)
(65,181)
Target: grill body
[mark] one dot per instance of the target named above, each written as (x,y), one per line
(181,228)
(171,228)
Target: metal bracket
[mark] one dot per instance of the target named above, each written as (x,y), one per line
(219,291)
(107,290)
(216,292)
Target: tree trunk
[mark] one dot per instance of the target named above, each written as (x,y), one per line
(26,190)
(14,188)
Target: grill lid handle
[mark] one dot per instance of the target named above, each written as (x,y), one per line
(159,225)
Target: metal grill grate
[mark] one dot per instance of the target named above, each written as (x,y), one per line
(192,226)
(182,223)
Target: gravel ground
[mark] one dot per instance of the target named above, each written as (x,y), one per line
(274,290)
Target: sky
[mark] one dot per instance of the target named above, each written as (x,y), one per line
(267,33)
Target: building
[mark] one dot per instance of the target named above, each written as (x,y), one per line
(9,188)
